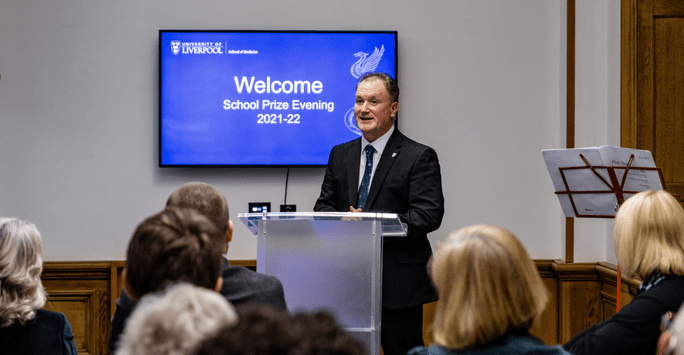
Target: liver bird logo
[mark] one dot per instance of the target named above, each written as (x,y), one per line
(366,63)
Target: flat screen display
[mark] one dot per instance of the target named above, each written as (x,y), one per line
(262,98)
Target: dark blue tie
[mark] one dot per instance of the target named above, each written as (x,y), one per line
(365,181)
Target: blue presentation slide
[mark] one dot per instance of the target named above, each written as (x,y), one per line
(251,98)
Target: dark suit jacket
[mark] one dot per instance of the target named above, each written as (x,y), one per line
(636,328)
(240,285)
(408,182)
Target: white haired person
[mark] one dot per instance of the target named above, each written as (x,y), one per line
(490,295)
(26,328)
(649,244)
(175,321)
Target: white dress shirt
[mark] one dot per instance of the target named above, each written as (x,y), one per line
(379,145)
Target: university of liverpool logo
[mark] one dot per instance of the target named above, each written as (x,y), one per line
(175,47)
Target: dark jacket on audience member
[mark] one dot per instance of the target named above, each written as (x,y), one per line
(636,328)
(47,334)
(240,285)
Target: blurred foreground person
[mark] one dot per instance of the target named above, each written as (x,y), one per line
(175,321)
(266,330)
(490,295)
(649,244)
(26,328)
(175,245)
(673,330)
(240,284)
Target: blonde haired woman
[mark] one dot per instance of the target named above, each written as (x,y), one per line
(25,328)
(649,244)
(490,295)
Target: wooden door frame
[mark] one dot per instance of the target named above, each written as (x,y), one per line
(628,90)
(570,117)
(628,74)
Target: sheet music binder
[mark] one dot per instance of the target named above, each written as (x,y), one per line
(596,190)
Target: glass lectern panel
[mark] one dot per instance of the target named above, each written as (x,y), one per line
(330,261)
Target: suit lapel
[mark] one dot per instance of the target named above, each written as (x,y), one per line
(389,155)
(354,159)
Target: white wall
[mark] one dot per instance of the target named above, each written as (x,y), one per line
(597,116)
(483,82)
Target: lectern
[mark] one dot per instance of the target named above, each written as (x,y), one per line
(330,261)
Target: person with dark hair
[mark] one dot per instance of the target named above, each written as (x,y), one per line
(385,171)
(240,285)
(265,330)
(177,244)
(325,336)
(260,330)
(26,328)
(208,200)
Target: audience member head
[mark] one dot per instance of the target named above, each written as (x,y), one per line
(176,244)
(175,321)
(261,329)
(488,287)
(265,330)
(21,263)
(325,336)
(206,199)
(649,235)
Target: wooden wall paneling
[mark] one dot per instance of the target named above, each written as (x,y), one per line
(582,294)
(116,268)
(609,290)
(89,322)
(668,8)
(250,264)
(669,106)
(652,84)
(628,287)
(547,327)
(579,298)
(608,298)
(644,75)
(81,290)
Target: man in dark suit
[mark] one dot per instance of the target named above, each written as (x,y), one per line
(398,175)
(240,285)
